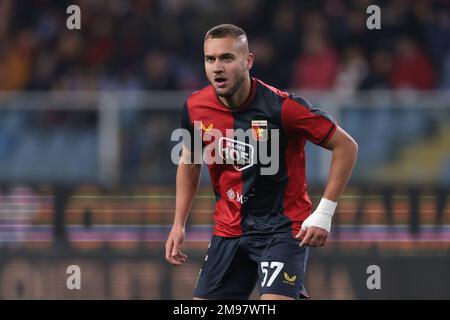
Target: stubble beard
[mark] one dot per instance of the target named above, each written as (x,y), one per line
(232,91)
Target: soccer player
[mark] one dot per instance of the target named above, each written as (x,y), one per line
(263,223)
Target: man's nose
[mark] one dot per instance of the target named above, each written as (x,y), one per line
(218,67)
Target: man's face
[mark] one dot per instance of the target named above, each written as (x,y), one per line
(227,62)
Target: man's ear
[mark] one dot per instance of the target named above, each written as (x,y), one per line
(250,59)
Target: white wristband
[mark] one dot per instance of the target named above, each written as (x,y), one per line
(321,217)
(326,206)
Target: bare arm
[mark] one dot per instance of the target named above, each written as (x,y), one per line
(188,177)
(344,150)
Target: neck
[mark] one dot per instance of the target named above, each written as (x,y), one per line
(240,96)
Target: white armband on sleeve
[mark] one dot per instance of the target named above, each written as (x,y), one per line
(321,217)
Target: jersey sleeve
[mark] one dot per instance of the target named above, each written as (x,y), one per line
(192,139)
(185,121)
(299,117)
(189,131)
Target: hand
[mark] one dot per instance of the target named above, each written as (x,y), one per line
(316,228)
(313,237)
(173,254)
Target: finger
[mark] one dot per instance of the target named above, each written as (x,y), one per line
(177,255)
(311,240)
(300,234)
(169,245)
(323,241)
(306,240)
(315,241)
(321,233)
(173,261)
(170,257)
(176,260)
(319,239)
(180,256)
(175,250)
(183,256)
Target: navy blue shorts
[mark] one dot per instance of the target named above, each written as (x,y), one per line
(233,266)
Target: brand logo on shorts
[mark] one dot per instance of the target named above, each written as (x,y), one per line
(289,280)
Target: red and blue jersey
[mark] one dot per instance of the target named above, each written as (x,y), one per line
(248,202)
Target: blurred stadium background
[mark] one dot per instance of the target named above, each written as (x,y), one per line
(86,117)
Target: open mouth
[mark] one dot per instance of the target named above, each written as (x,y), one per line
(220,81)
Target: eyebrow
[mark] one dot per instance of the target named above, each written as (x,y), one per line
(222,56)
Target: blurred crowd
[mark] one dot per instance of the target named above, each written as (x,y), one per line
(157,44)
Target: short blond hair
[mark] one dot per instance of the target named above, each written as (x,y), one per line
(225,31)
